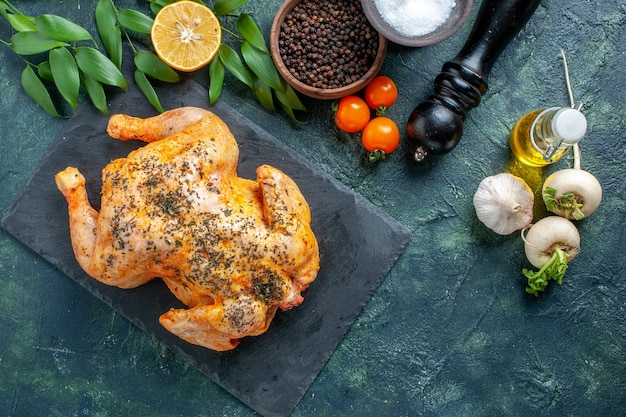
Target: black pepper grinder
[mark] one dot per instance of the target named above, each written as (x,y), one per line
(436,125)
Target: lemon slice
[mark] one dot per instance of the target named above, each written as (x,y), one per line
(186,35)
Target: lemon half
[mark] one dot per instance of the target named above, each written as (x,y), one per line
(186,35)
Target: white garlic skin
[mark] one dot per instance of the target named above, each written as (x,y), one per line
(504,203)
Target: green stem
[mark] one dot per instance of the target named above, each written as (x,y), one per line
(567,202)
(554,269)
(376,155)
(130,42)
(8,45)
(231,33)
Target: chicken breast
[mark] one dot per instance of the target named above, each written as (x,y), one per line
(231,249)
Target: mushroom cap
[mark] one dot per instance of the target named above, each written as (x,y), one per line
(504,203)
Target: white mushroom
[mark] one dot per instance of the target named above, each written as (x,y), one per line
(504,203)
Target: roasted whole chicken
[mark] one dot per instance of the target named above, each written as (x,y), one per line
(231,249)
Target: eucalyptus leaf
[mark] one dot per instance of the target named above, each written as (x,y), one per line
(21,23)
(150,64)
(146,88)
(61,29)
(235,65)
(65,75)
(263,94)
(37,91)
(135,21)
(44,71)
(216,80)
(250,31)
(96,64)
(261,64)
(96,93)
(109,30)
(31,43)
(223,7)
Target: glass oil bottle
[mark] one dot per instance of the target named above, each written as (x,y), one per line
(543,136)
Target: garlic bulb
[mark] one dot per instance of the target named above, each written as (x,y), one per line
(504,203)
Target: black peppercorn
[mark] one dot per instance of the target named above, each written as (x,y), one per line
(327,44)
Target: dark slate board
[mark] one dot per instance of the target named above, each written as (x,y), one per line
(270,373)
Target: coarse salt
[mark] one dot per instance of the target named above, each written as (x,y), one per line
(415,17)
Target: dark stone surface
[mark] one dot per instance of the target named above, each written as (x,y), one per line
(450,330)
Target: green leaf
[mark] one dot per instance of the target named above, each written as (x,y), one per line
(162,3)
(223,7)
(157,5)
(135,21)
(37,91)
(261,64)
(567,203)
(44,71)
(96,93)
(289,111)
(288,97)
(289,101)
(250,31)
(100,67)
(109,30)
(21,23)
(216,80)
(61,29)
(263,94)
(155,8)
(146,88)
(235,65)
(65,75)
(149,63)
(31,43)
(554,269)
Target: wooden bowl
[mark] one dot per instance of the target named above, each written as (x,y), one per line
(315,92)
(457,17)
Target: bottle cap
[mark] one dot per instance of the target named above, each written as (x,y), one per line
(571,125)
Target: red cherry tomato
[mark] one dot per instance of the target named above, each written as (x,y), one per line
(352,114)
(381,93)
(380,137)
